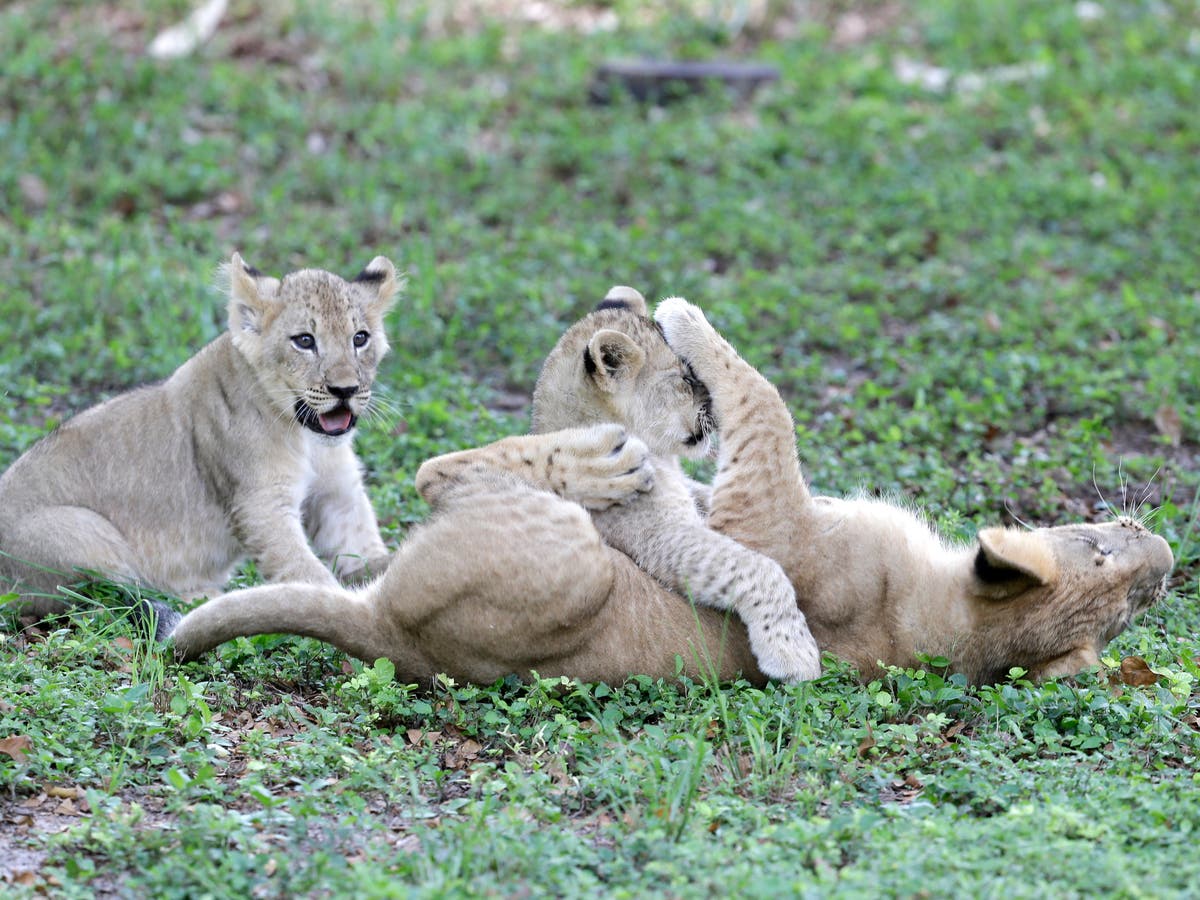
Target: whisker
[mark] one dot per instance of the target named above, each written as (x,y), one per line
(1099,493)
(1144,494)
(1008,509)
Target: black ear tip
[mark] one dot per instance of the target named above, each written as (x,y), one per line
(369,276)
(251,271)
(612,303)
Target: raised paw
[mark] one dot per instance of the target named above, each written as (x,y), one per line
(787,651)
(689,334)
(605,466)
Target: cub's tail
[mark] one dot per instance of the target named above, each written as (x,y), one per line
(337,616)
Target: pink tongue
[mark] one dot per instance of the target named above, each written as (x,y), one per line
(338,420)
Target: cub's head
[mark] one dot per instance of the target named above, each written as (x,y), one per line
(1048,600)
(614,366)
(315,340)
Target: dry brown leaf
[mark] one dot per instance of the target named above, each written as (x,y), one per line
(61,791)
(16,746)
(123,642)
(1137,673)
(1169,424)
(415,735)
(469,749)
(954,730)
(866,743)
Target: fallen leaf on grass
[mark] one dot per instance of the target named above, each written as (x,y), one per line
(1169,424)
(1136,672)
(462,755)
(417,736)
(954,730)
(61,792)
(866,743)
(16,746)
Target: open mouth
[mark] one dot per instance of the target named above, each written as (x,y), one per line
(338,420)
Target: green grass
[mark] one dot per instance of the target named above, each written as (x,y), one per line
(981,300)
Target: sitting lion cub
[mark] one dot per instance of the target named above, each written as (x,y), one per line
(244,451)
(511,574)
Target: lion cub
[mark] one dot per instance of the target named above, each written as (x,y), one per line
(244,451)
(877,583)
(615,366)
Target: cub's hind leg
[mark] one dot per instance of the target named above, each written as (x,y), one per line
(758,493)
(53,546)
(504,578)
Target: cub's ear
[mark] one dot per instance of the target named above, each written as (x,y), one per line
(1009,559)
(612,357)
(380,275)
(252,295)
(622,297)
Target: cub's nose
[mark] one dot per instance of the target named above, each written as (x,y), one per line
(343,393)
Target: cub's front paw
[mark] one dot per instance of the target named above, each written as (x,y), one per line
(689,334)
(608,467)
(786,652)
(353,569)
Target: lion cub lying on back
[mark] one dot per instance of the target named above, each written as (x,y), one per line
(244,451)
(512,575)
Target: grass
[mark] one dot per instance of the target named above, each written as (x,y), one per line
(981,297)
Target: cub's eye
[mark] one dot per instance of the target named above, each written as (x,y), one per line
(361,338)
(304,341)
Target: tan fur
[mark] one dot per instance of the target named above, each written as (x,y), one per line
(877,584)
(509,577)
(171,485)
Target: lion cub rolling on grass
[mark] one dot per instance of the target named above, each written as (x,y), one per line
(877,583)
(512,574)
(244,451)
